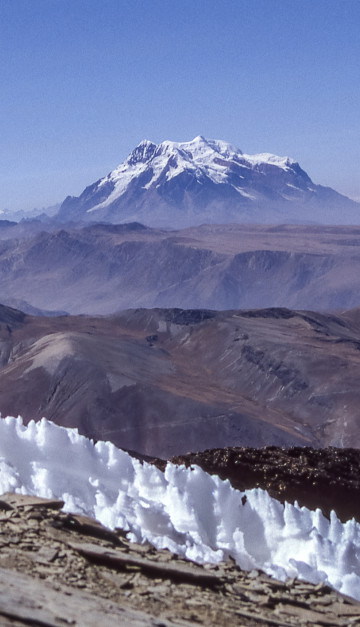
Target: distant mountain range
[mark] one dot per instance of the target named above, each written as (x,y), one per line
(207,181)
(103,268)
(39,214)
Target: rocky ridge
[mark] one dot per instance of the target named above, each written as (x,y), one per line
(61,569)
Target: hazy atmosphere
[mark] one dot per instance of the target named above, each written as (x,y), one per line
(84,82)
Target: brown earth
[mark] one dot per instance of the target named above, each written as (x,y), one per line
(166,382)
(61,569)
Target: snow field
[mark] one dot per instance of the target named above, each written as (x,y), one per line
(187,511)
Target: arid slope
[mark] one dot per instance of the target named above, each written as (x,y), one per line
(164,382)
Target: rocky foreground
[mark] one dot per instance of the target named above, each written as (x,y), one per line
(61,569)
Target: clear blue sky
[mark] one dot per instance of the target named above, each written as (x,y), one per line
(83,81)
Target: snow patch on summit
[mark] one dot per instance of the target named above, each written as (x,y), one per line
(270,159)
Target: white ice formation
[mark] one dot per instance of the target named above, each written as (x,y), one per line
(185,510)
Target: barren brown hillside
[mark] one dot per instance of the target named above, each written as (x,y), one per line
(164,382)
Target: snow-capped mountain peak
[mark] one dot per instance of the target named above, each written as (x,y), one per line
(203,180)
(213,158)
